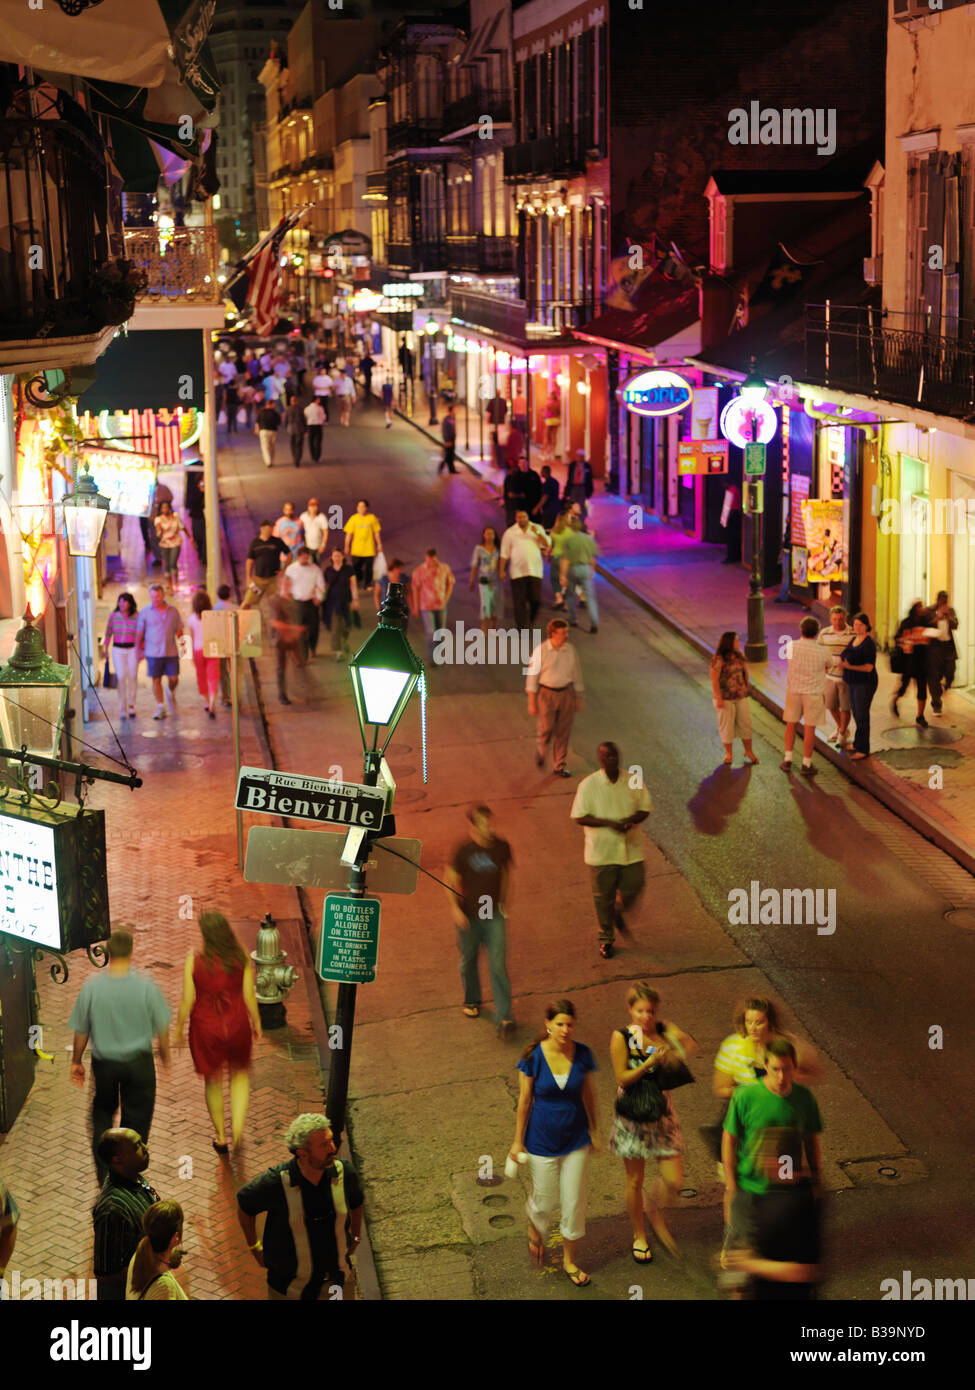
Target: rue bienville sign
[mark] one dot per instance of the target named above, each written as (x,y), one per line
(310,798)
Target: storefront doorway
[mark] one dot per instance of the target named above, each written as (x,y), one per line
(915,534)
(963,584)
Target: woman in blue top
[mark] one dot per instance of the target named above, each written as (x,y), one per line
(484,568)
(859,664)
(556,1126)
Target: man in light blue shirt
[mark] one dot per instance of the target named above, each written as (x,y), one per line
(120,1012)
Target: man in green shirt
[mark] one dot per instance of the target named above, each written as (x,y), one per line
(577,565)
(770,1142)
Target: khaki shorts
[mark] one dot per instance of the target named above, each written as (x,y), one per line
(837,695)
(734,721)
(804,709)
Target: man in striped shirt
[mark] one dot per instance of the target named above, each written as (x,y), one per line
(117,1215)
(804,703)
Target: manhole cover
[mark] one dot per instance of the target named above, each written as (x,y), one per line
(168,762)
(501,1221)
(497,1199)
(961,917)
(910,736)
(919,759)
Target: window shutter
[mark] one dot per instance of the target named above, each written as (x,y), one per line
(933,247)
(952,251)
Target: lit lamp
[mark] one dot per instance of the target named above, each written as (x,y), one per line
(33,694)
(85,514)
(754,388)
(385,671)
(430,328)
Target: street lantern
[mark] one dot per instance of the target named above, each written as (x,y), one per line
(431,326)
(754,388)
(85,514)
(385,672)
(33,694)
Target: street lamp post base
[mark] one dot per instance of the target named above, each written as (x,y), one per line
(756,648)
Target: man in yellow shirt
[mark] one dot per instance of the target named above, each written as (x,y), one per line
(363,542)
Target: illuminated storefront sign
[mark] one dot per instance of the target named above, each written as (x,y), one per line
(36,513)
(739,420)
(702,456)
(126,478)
(53,876)
(655,392)
(825,523)
(365,302)
(398,289)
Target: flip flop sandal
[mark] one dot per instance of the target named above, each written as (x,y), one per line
(471,1011)
(576,1277)
(642,1257)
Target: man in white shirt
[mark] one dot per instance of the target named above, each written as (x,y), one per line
(522,548)
(610,808)
(804,703)
(322,387)
(835,639)
(315,417)
(314,527)
(555,691)
(344,388)
(302,582)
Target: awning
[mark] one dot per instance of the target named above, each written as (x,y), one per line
(660,310)
(150,370)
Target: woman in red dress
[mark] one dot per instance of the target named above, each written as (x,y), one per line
(221,1004)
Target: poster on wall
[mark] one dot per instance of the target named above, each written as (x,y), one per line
(824,528)
(799,565)
(799,493)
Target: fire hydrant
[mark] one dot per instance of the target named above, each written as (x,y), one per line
(274,979)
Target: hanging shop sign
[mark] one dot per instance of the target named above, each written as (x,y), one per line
(702,456)
(402,289)
(655,392)
(53,875)
(365,302)
(746,422)
(824,528)
(126,478)
(36,513)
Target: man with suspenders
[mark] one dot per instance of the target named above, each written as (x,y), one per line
(314,1215)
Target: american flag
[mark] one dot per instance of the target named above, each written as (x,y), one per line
(258,282)
(158,434)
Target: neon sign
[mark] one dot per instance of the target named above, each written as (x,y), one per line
(748,423)
(654,393)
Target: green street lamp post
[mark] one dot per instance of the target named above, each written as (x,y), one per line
(33,694)
(753,391)
(385,672)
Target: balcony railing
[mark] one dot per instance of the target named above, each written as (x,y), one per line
(180,266)
(557,156)
(488,311)
(868,352)
(561,315)
(416,256)
(481,253)
(417,132)
(468,110)
(376,186)
(55,238)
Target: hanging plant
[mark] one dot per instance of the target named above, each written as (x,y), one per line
(112,290)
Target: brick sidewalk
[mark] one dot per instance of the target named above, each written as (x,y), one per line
(167,862)
(683,583)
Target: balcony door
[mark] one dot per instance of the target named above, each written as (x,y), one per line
(915,534)
(963,585)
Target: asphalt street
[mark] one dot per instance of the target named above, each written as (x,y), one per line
(432,1093)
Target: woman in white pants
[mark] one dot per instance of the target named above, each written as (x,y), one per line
(557,1127)
(120,631)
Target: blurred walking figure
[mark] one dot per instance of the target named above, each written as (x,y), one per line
(477,880)
(124,1199)
(909,659)
(157,629)
(341,600)
(220,1002)
(942,652)
(804,695)
(303,583)
(288,529)
(288,637)
(859,663)
(741,1056)
(557,538)
(150,1275)
(448,431)
(207,667)
(315,419)
(363,542)
(313,1207)
(578,482)
(522,547)
(555,692)
(546,509)
(314,527)
(387,392)
(429,593)
(643,1048)
(393,575)
(120,1012)
(268,424)
(121,633)
(344,388)
(836,691)
(266,555)
(553,419)
(557,1126)
(223,603)
(731,691)
(169,528)
(295,424)
(609,808)
(577,569)
(484,570)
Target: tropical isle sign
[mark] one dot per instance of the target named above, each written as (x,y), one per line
(656,392)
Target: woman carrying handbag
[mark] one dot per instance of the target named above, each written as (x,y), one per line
(649,1058)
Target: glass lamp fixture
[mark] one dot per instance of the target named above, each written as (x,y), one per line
(431,326)
(754,388)
(33,694)
(385,671)
(85,514)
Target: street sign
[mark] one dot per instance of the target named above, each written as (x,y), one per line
(754,460)
(218,632)
(309,798)
(311,859)
(348,943)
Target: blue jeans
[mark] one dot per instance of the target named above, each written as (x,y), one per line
(584,576)
(490,935)
(860,699)
(786,574)
(433,618)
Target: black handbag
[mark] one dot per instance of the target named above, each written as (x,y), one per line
(670,1075)
(642,1103)
(109,678)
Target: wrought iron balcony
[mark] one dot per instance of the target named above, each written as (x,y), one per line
(414,256)
(469,110)
(376,186)
(891,357)
(180,266)
(419,132)
(481,254)
(490,312)
(553,156)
